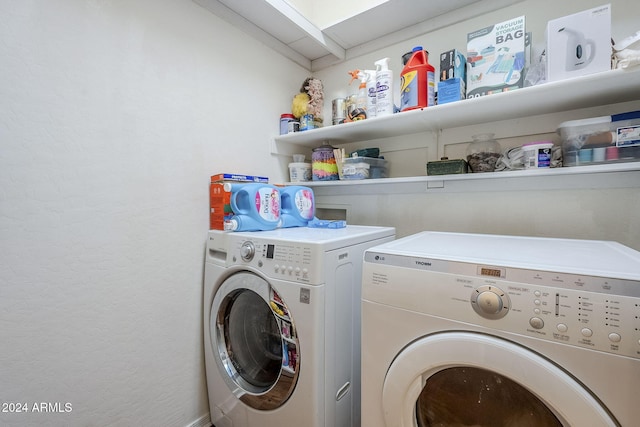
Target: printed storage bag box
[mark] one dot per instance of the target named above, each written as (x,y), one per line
(496,58)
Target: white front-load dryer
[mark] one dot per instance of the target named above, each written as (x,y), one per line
(486,330)
(282,325)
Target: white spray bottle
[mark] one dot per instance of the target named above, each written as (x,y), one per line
(361,99)
(371,93)
(384,88)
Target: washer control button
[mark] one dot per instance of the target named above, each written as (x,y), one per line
(613,337)
(586,332)
(536,323)
(562,327)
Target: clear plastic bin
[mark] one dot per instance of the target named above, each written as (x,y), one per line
(363,168)
(601,139)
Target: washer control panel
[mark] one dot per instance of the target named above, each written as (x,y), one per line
(295,261)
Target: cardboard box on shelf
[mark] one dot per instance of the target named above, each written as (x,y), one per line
(496,58)
(451,90)
(235,177)
(579,44)
(452,64)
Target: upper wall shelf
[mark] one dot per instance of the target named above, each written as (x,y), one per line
(604,88)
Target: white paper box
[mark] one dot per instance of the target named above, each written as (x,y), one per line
(579,44)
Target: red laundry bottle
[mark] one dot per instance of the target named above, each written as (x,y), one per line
(417,81)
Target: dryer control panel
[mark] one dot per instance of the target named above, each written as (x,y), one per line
(597,313)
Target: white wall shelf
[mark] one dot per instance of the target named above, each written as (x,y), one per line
(610,175)
(603,88)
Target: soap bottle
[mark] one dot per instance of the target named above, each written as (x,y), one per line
(371,93)
(256,207)
(298,207)
(361,108)
(361,99)
(384,88)
(417,81)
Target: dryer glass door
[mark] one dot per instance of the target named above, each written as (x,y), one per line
(473,379)
(255,341)
(468,396)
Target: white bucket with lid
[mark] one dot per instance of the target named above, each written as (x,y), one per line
(537,154)
(299,172)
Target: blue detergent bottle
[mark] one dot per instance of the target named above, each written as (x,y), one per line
(256,207)
(298,206)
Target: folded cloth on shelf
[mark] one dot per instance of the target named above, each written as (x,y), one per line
(626,53)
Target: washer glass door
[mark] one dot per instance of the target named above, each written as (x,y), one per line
(254,338)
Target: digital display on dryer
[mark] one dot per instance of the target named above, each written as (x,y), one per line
(270,250)
(492,272)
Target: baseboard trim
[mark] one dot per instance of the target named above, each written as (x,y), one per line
(203,421)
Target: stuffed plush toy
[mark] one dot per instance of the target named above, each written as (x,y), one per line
(310,100)
(299,105)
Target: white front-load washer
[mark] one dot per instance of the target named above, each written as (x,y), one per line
(282,325)
(487,330)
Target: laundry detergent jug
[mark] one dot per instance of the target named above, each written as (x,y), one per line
(256,207)
(417,82)
(298,207)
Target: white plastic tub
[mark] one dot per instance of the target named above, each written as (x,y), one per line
(537,154)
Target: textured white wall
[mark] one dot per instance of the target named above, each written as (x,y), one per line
(113,115)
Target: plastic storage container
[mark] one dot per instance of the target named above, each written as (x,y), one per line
(601,139)
(363,168)
(285,120)
(299,170)
(537,154)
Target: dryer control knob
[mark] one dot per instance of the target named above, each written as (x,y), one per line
(490,302)
(247,251)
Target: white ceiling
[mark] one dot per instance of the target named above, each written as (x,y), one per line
(285,29)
